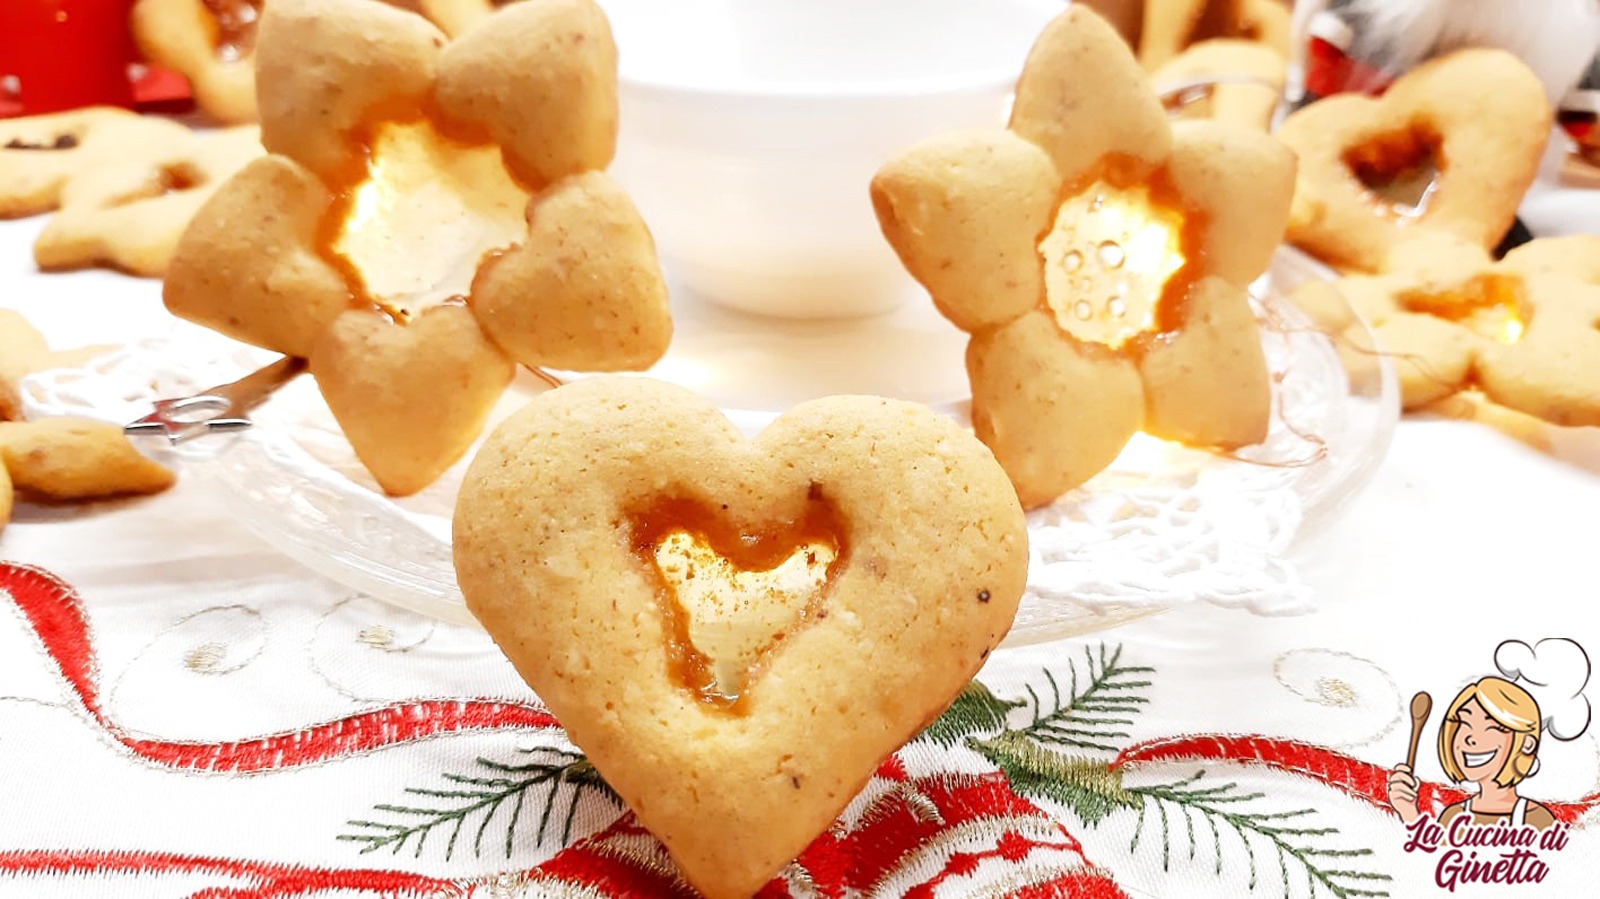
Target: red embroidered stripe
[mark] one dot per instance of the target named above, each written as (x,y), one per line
(53,610)
(261,880)
(1360,779)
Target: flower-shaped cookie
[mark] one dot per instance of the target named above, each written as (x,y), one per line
(428,215)
(1525,331)
(1099,256)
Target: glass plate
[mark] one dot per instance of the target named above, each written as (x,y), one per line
(1163,526)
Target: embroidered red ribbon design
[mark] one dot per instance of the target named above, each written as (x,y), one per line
(55,613)
(1362,780)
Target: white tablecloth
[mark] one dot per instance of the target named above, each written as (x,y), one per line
(122,744)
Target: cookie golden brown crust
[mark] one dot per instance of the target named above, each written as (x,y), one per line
(406,173)
(1487,145)
(1522,331)
(590,263)
(129,214)
(1099,256)
(64,459)
(40,154)
(561,529)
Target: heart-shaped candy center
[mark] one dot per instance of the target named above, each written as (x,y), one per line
(1398,170)
(730,594)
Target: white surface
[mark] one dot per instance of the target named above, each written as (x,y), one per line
(750,131)
(1465,538)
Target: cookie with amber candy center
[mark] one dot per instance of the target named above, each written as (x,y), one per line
(1524,331)
(1437,149)
(1100,258)
(738,632)
(406,174)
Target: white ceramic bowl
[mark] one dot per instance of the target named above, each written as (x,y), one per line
(751,130)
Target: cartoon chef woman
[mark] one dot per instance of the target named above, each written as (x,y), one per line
(1490,737)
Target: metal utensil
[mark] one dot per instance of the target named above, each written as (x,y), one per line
(220,408)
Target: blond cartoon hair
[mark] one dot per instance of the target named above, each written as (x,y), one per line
(1509,706)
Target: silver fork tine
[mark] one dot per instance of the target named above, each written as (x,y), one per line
(221,408)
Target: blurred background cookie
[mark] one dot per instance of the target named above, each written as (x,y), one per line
(38,154)
(1227,80)
(129,213)
(1436,149)
(1158,30)
(213,42)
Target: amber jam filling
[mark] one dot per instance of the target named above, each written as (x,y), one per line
(1110,258)
(413,222)
(235,24)
(731,594)
(169,179)
(1398,171)
(1493,306)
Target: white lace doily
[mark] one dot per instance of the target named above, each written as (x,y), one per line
(1164,526)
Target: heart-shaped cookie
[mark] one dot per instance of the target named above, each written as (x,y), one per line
(1485,144)
(874,551)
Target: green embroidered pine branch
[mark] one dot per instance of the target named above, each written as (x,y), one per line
(1083,719)
(1294,844)
(975,711)
(1089,787)
(1088,719)
(484,792)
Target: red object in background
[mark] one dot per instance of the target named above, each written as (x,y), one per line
(1330,71)
(64,54)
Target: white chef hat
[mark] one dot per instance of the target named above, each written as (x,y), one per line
(1554,671)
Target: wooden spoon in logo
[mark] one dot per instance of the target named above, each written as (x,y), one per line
(1421,706)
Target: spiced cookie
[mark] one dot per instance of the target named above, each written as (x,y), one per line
(129,214)
(737,633)
(1436,149)
(39,154)
(65,459)
(429,213)
(1099,256)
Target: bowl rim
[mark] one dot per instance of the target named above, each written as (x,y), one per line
(974,80)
